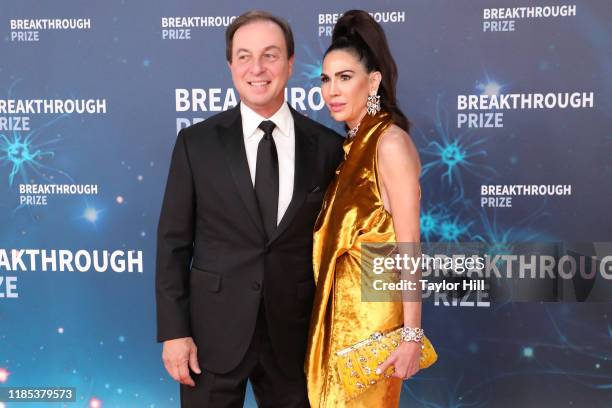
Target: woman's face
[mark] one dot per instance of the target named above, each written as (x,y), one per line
(345,86)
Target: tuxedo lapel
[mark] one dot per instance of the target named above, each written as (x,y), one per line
(232,139)
(305,156)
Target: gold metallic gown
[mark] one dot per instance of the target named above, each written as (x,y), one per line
(352,214)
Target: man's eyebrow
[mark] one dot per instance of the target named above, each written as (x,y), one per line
(276,47)
(270,47)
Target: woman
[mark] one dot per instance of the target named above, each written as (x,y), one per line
(374,198)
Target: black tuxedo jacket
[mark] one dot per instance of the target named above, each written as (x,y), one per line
(213,261)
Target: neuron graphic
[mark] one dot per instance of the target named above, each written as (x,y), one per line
(310,70)
(309,73)
(557,358)
(500,238)
(24,153)
(430,221)
(452,397)
(453,152)
(443,223)
(554,358)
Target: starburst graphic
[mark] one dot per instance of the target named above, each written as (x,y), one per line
(490,86)
(4,375)
(527,352)
(95,403)
(91,214)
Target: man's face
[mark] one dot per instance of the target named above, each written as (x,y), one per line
(260,66)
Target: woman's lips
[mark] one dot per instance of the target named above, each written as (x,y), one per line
(336,107)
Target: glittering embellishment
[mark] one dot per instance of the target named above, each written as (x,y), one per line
(376,336)
(351,133)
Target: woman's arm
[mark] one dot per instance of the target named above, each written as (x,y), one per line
(399,169)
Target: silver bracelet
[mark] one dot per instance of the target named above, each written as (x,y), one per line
(412,334)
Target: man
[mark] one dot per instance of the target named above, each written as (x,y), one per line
(234,281)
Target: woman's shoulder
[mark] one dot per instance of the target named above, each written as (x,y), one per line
(396,150)
(395,140)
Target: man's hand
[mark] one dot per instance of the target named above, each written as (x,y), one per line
(179,355)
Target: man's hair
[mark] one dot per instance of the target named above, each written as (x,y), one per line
(250,17)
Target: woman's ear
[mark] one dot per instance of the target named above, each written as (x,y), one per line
(375,78)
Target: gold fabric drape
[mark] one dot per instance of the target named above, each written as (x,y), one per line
(352,214)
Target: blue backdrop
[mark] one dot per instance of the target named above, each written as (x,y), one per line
(147,71)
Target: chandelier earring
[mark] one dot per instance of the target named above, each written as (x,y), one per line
(373,106)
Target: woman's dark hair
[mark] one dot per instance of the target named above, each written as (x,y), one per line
(357,32)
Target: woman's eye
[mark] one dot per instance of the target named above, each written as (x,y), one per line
(324,79)
(345,77)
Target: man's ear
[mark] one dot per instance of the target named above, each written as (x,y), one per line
(291,61)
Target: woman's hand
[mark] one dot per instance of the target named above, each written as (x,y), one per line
(405,359)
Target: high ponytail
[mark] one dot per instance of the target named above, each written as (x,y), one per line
(357,32)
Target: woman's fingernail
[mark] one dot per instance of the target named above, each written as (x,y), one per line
(378,371)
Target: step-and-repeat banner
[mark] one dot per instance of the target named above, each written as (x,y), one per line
(511,105)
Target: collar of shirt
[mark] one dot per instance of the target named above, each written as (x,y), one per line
(251,120)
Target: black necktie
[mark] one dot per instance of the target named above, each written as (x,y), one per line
(266,178)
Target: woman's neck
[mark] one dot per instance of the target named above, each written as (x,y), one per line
(354,123)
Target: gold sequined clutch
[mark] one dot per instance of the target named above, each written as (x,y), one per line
(356,365)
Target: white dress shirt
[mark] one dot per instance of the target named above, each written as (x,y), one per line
(284,138)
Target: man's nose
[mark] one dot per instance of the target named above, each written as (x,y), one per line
(257,67)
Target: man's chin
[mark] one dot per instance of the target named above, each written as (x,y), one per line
(260,101)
